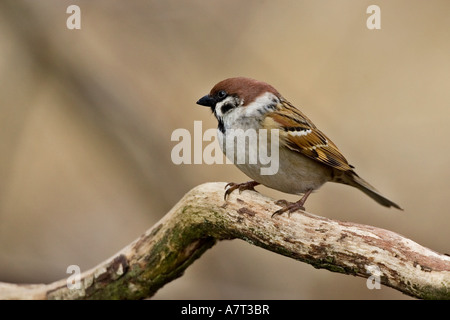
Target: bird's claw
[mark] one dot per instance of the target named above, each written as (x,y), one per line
(288,207)
(230,187)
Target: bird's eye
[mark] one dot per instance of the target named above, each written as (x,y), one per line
(221,94)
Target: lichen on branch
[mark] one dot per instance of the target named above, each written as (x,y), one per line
(201,218)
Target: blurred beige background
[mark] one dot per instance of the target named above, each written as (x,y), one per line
(86,118)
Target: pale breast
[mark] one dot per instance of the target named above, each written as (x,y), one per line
(292,172)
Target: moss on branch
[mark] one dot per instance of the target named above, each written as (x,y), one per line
(201,218)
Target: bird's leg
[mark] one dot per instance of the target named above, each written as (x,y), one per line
(292,206)
(230,187)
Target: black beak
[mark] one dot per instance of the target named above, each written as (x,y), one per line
(207,101)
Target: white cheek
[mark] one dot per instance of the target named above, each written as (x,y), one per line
(250,115)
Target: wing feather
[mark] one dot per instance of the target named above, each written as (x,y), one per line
(301,135)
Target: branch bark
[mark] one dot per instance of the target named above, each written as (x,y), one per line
(201,218)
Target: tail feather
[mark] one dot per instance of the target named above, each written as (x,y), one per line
(356,181)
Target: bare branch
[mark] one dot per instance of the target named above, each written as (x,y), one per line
(202,217)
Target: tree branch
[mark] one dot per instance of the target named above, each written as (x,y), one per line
(201,218)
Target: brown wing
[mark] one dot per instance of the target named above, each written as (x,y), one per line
(301,135)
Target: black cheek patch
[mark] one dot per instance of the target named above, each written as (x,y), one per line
(226,107)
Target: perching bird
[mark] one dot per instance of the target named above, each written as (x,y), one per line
(307,157)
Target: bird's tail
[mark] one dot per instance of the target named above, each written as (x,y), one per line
(351,178)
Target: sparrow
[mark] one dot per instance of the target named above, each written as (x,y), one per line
(307,157)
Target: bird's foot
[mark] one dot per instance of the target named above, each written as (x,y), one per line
(290,207)
(230,187)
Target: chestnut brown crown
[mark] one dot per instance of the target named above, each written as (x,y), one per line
(246,89)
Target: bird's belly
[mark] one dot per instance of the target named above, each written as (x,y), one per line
(296,173)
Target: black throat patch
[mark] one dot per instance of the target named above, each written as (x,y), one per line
(221,126)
